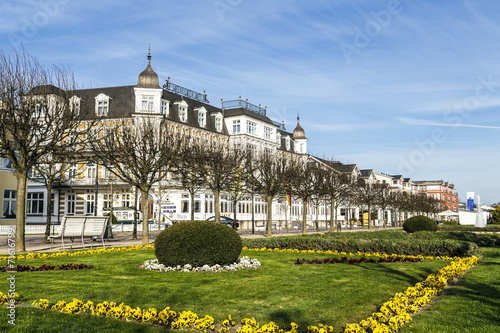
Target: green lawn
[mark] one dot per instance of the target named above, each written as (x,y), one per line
(473,305)
(279,291)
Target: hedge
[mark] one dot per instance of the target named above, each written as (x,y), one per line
(409,246)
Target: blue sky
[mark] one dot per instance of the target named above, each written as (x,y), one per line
(398,86)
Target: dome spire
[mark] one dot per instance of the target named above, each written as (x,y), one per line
(298,132)
(148,78)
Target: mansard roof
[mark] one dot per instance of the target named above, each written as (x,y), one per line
(242,111)
(366,172)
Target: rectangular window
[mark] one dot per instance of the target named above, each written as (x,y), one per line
(218,124)
(182,114)
(185,203)
(125,200)
(35,203)
(164,107)
(251,127)
(107,201)
(72,171)
(236,126)
(6,163)
(102,108)
(148,103)
(90,204)
(91,171)
(9,203)
(268,133)
(71,202)
(251,147)
(201,119)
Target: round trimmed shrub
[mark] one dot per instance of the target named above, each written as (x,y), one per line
(198,243)
(419,223)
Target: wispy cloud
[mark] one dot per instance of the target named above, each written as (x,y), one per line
(414,121)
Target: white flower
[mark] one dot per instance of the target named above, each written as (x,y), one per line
(241,263)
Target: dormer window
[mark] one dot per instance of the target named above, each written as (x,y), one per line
(148,103)
(218,123)
(74,104)
(102,105)
(182,111)
(164,107)
(202,116)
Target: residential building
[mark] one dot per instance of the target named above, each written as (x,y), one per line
(8,192)
(440,190)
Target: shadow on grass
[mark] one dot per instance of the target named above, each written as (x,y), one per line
(399,274)
(283,318)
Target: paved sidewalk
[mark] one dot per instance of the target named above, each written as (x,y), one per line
(34,243)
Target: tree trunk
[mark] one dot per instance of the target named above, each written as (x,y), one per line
(49,212)
(145,219)
(192,205)
(235,203)
(304,216)
(134,233)
(22,181)
(317,217)
(333,216)
(217,205)
(369,217)
(269,216)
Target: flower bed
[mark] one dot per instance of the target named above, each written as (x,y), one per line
(37,255)
(397,311)
(63,267)
(242,263)
(390,317)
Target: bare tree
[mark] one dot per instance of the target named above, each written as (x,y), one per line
(383,198)
(218,165)
(304,182)
(334,187)
(187,172)
(51,170)
(269,178)
(38,117)
(367,197)
(139,151)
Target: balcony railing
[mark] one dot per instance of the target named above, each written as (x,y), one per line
(185,91)
(243,104)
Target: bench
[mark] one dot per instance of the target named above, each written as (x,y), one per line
(95,228)
(82,226)
(72,227)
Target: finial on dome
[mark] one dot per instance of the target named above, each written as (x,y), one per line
(148,78)
(298,132)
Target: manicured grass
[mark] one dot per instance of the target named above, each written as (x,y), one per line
(473,305)
(334,294)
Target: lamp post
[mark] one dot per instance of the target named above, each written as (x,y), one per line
(253,214)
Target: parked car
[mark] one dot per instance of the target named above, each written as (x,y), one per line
(227,221)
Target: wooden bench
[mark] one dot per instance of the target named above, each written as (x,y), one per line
(95,228)
(82,226)
(72,227)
